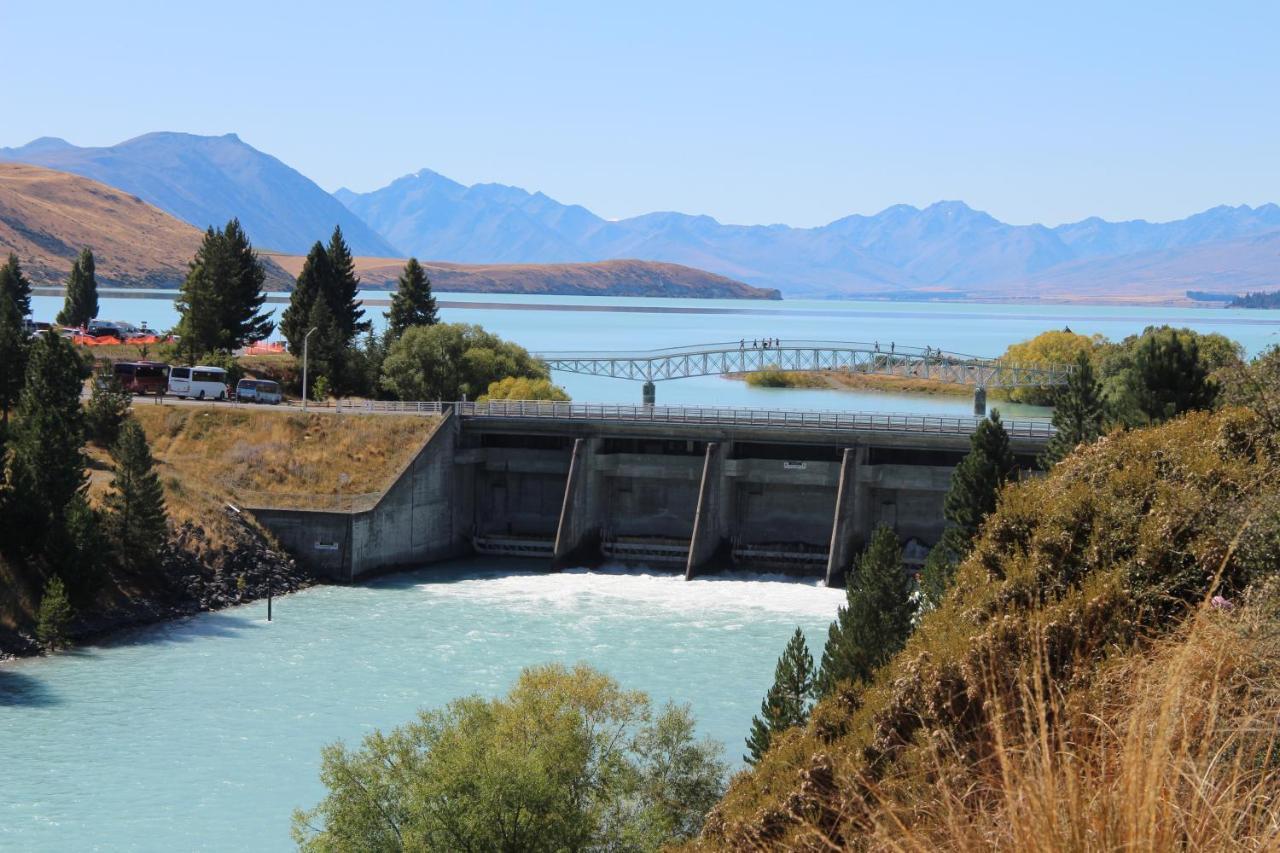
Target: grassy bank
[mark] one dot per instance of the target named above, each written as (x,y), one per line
(848,381)
(210,456)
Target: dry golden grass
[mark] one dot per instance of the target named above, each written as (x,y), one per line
(59,214)
(207,457)
(1177,748)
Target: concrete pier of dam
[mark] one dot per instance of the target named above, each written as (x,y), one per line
(690,490)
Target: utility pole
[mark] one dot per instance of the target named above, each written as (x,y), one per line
(306,339)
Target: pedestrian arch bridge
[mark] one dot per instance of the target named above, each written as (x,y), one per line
(873,359)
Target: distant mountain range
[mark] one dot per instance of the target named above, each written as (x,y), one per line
(47,217)
(206,180)
(946,250)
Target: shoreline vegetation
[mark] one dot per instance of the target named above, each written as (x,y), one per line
(846,380)
(1111,360)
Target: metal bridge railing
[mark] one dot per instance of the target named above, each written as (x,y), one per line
(718,415)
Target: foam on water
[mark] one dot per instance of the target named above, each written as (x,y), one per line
(204,733)
(581,589)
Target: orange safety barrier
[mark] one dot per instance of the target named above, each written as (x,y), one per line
(273,348)
(110,340)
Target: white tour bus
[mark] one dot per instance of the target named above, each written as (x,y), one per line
(203,383)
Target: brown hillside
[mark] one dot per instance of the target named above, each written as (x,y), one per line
(601,278)
(47,217)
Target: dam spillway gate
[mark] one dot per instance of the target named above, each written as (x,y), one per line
(683,489)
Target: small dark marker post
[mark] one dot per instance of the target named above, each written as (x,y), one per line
(268,598)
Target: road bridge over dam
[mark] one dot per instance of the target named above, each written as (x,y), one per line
(689,490)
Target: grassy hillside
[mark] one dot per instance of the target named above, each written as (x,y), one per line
(1077,689)
(47,217)
(603,278)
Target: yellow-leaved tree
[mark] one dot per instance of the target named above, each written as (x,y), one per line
(1057,347)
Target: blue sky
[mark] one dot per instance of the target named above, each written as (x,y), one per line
(752,113)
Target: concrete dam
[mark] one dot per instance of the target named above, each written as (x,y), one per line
(690,490)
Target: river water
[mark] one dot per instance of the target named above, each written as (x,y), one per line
(205,733)
(550,323)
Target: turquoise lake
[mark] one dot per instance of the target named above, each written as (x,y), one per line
(203,734)
(547,323)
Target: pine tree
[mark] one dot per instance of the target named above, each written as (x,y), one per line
(81,304)
(325,350)
(47,463)
(241,298)
(343,289)
(1169,377)
(220,305)
(1077,413)
(311,283)
(199,305)
(54,615)
(15,285)
(413,304)
(975,486)
(136,520)
(787,702)
(13,357)
(876,619)
(108,406)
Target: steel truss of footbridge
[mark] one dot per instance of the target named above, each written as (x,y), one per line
(865,358)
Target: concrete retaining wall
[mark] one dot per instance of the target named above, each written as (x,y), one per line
(417,520)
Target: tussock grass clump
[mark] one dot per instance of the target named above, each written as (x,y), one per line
(1084,601)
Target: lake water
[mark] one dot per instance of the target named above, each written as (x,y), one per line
(205,733)
(549,323)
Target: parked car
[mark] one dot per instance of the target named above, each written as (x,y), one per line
(142,377)
(112,328)
(258,391)
(200,382)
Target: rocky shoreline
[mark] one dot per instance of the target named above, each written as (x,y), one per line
(193,578)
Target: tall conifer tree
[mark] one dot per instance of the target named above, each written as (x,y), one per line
(788,700)
(15,285)
(1077,412)
(875,620)
(200,312)
(221,300)
(975,485)
(413,304)
(47,439)
(81,304)
(309,287)
(136,520)
(13,357)
(243,319)
(343,288)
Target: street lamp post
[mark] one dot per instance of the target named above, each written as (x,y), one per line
(306,339)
